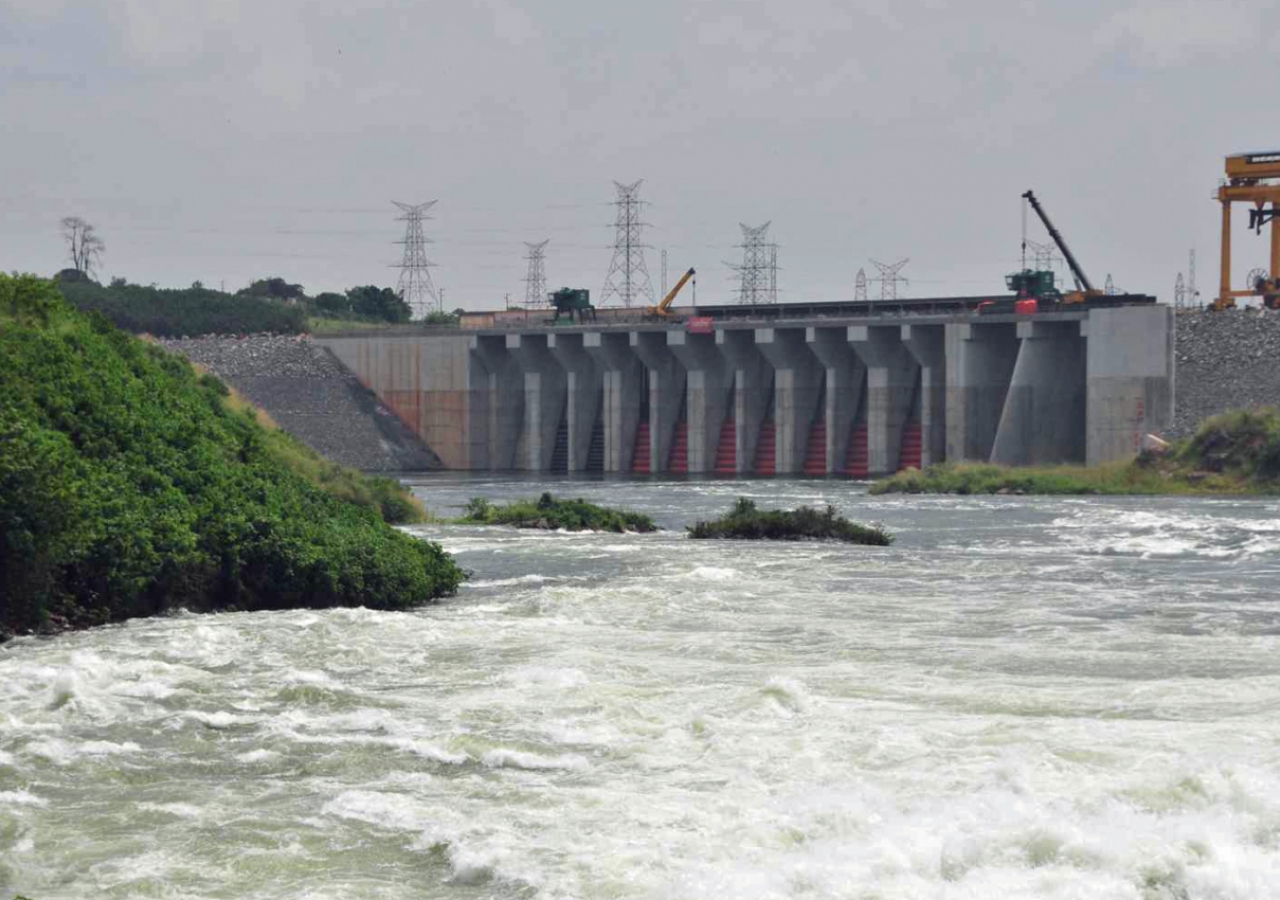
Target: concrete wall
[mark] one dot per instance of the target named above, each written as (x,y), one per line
(1059,387)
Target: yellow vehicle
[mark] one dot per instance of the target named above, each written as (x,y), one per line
(663,309)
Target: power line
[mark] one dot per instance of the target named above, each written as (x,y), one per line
(628,277)
(535,280)
(415,286)
(758,273)
(889,278)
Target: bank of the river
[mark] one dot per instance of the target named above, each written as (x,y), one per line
(131,485)
(1234,453)
(1024,698)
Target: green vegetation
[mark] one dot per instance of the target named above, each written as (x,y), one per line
(745,522)
(130,484)
(553,514)
(1237,452)
(192,311)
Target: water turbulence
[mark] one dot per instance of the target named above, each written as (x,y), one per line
(1021,698)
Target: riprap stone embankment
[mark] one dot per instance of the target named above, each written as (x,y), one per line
(1224,360)
(312,396)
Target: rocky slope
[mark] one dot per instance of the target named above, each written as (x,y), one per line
(312,396)
(1225,360)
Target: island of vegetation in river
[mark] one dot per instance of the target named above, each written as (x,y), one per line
(1234,453)
(130,484)
(746,522)
(555,514)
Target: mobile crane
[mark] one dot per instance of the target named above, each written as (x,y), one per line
(663,309)
(1039,285)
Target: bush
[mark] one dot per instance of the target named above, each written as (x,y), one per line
(552,514)
(190,311)
(745,522)
(130,485)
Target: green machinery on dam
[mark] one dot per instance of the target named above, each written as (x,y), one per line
(850,389)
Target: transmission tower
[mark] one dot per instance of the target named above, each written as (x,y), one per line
(860,286)
(1180,293)
(889,278)
(628,277)
(415,286)
(664,273)
(1193,295)
(757,277)
(1110,287)
(535,281)
(1042,256)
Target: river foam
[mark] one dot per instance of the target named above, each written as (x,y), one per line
(1022,698)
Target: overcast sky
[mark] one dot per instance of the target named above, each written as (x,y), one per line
(224,140)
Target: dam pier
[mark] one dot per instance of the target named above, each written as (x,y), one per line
(848,389)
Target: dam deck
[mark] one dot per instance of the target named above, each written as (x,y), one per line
(853,389)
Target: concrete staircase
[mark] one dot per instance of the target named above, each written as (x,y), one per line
(640,453)
(911,452)
(855,465)
(815,456)
(679,461)
(595,452)
(726,454)
(766,449)
(560,455)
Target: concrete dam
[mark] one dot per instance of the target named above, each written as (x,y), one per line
(821,389)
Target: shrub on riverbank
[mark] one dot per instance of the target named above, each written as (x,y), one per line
(1237,452)
(129,485)
(554,514)
(187,311)
(745,522)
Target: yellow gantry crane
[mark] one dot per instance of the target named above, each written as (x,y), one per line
(663,309)
(1252,178)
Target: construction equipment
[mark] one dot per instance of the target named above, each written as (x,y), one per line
(1036,289)
(663,309)
(1084,288)
(572,302)
(1252,178)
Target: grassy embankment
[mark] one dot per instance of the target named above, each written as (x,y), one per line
(746,522)
(1235,453)
(130,485)
(552,514)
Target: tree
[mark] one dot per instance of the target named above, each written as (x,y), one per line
(332,304)
(275,288)
(83,244)
(379,303)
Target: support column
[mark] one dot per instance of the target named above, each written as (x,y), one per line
(925,344)
(1042,422)
(891,372)
(498,396)
(1224,290)
(622,377)
(583,384)
(1130,379)
(797,381)
(751,377)
(666,392)
(544,400)
(707,384)
(980,359)
(844,374)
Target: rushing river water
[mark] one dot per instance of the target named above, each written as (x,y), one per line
(1021,698)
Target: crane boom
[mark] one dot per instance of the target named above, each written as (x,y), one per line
(1082,280)
(662,308)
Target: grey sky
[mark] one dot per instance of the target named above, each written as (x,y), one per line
(228,139)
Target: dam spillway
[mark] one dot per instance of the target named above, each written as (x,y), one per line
(800,391)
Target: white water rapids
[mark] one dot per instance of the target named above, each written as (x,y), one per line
(1021,698)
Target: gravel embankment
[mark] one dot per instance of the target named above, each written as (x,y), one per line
(314,397)
(1225,360)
